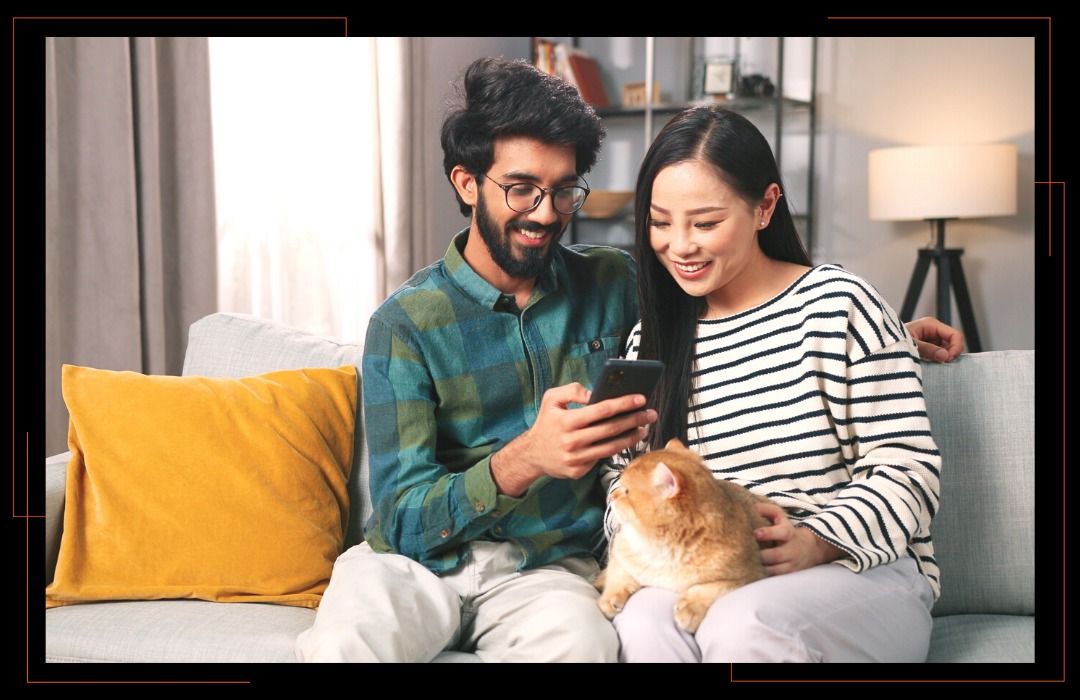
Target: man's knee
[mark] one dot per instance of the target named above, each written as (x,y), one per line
(333,643)
(579,631)
(571,628)
(594,641)
(381,607)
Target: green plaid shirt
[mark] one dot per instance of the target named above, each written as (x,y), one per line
(452,372)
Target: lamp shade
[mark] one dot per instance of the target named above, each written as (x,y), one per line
(942,182)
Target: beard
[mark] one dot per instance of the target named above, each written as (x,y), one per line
(533,260)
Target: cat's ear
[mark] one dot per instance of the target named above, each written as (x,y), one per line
(665,481)
(675,444)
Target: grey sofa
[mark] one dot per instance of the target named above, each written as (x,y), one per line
(982,412)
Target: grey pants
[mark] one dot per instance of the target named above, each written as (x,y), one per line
(825,613)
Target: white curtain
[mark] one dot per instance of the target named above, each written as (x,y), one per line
(312,153)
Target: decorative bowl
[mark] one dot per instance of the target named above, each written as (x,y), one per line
(604,204)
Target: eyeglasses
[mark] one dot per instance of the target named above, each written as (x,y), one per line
(523,197)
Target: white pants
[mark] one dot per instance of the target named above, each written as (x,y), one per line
(824,613)
(387,607)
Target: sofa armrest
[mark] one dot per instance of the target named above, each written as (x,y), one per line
(55,480)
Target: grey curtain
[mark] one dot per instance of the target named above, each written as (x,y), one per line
(403,161)
(129,195)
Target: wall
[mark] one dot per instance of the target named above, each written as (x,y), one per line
(880,92)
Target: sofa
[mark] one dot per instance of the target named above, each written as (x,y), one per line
(981,408)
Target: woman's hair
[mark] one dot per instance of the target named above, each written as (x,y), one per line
(742,159)
(499,98)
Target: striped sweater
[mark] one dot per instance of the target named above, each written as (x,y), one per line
(815,400)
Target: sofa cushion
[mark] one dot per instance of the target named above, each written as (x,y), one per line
(983,639)
(982,413)
(168,631)
(193,487)
(239,345)
(174,631)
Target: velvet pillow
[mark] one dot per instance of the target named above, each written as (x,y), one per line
(231,490)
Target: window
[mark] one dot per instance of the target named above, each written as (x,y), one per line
(295,157)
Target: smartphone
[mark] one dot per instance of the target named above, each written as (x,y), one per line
(622,377)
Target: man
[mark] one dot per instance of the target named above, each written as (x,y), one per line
(488,510)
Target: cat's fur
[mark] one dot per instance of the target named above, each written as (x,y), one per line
(681,529)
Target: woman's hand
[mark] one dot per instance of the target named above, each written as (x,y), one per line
(937,342)
(796,547)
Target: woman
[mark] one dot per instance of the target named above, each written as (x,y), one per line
(797,382)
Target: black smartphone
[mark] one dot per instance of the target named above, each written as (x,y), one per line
(622,377)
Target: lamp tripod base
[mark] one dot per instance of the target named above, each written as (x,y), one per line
(950,277)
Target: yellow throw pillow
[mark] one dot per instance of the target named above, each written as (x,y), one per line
(232,490)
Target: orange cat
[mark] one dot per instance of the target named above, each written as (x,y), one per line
(681,529)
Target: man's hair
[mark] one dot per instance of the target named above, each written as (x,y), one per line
(499,98)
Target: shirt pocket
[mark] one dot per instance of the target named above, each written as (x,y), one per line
(584,360)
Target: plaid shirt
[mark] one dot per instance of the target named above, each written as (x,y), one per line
(452,372)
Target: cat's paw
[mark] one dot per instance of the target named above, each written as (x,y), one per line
(611,604)
(689,614)
(598,582)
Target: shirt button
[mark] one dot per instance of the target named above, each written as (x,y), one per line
(596,345)
(498,530)
(444,533)
(480,507)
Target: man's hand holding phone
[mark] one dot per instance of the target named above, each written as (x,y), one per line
(565,442)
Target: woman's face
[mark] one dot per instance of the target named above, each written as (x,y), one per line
(701,230)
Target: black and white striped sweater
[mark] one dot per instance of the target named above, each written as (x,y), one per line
(815,400)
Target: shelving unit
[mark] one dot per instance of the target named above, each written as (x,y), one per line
(787,118)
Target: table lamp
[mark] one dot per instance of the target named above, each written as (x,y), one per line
(937,183)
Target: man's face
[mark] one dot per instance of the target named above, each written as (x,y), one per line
(521,245)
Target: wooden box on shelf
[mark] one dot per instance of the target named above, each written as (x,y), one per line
(633,94)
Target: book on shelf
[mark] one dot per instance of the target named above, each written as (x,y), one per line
(574,66)
(563,69)
(543,50)
(587,74)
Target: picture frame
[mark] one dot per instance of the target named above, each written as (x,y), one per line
(719,77)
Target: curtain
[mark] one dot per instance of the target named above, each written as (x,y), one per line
(403,162)
(316,156)
(129,210)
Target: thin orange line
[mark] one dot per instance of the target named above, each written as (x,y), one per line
(1050,213)
(26,531)
(950,18)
